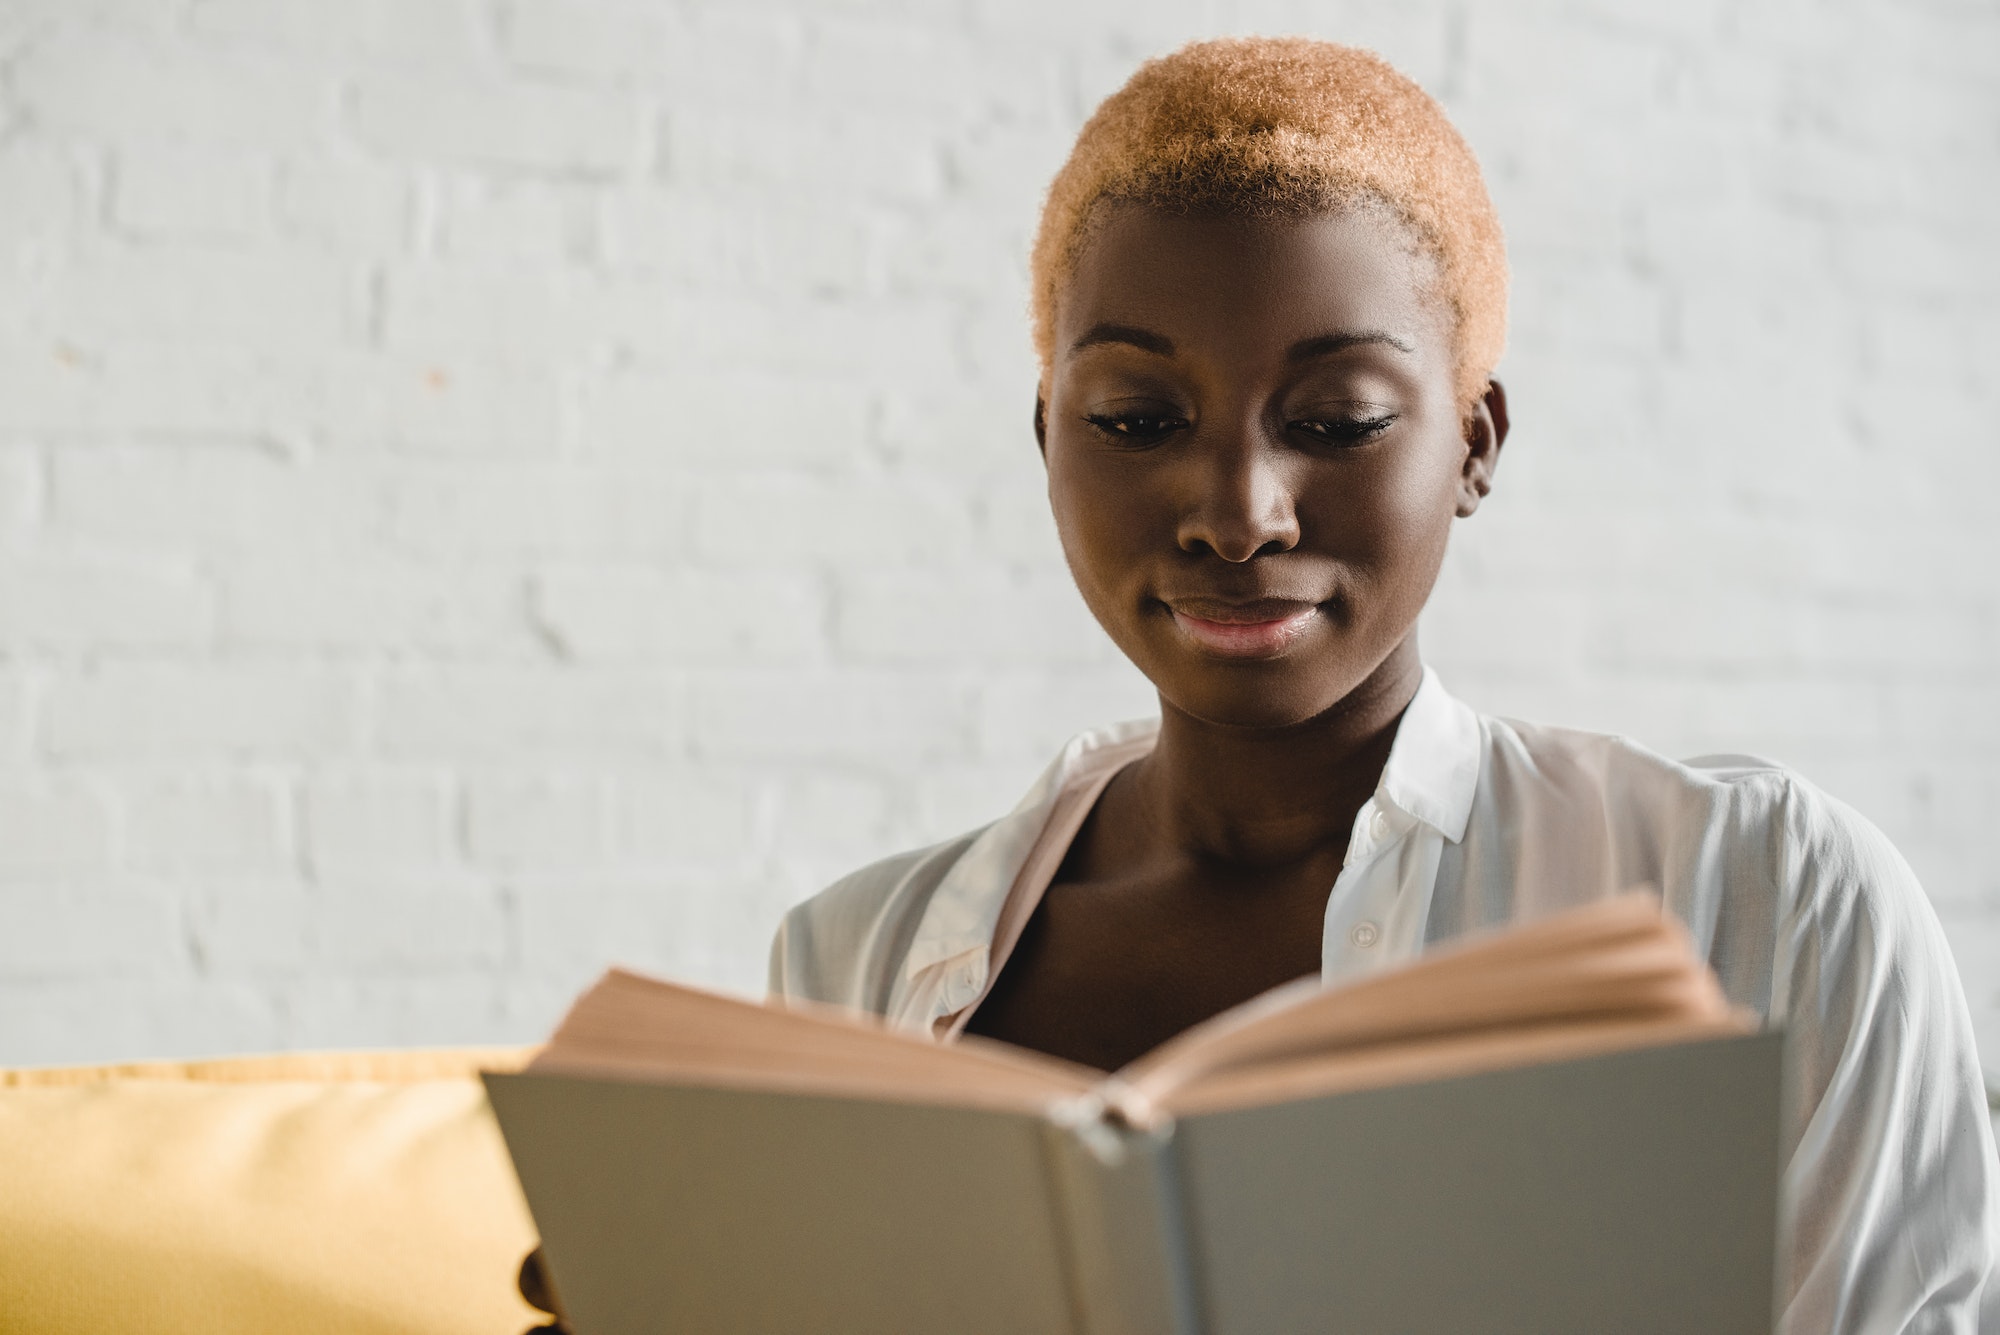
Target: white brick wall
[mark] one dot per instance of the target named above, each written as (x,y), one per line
(489,487)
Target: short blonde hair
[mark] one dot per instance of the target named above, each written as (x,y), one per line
(1284,127)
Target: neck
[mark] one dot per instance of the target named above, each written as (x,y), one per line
(1266,797)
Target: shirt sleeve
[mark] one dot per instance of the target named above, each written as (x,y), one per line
(778,976)
(1890,1183)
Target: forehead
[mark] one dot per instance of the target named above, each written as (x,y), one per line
(1254,285)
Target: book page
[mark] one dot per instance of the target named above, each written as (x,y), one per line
(1614,973)
(1611,968)
(631,1027)
(1406,1063)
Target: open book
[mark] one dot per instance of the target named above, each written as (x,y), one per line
(1563,1126)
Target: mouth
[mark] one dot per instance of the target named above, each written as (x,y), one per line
(1262,628)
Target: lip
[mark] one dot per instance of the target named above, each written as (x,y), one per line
(1263,628)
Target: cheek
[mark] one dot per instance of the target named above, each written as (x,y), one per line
(1422,503)
(1394,524)
(1099,523)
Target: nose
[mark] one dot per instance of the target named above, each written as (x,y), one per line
(1239,501)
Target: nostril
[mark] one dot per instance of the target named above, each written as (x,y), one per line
(1235,553)
(1241,517)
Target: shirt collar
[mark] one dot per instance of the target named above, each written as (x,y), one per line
(1431,774)
(1433,767)
(965,908)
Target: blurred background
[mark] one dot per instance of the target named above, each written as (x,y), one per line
(493,487)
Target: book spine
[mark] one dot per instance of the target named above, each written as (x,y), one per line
(1118,1198)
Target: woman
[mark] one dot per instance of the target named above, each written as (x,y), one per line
(1269,294)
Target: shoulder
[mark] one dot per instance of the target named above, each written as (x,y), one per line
(1751,806)
(1523,757)
(1765,867)
(1756,808)
(844,945)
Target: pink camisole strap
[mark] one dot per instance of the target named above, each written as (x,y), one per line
(1072,807)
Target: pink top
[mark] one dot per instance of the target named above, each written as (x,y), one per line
(1072,806)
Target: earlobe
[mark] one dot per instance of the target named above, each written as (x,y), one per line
(1041,424)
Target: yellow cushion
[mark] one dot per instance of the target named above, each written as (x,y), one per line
(362,1193)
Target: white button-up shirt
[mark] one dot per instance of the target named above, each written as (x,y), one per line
(1806,912)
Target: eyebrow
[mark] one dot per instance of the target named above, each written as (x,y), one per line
(1307,349)
(1304,350)
(1131,335)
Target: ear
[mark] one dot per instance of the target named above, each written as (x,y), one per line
(1042,424)
(1485,433)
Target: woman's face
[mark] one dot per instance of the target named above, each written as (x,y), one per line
(1255,453)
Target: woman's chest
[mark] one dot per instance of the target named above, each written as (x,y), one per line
(1106,970)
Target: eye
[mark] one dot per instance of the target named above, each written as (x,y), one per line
(1343,430)
(1136,428)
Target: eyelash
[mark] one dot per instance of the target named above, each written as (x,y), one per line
(1345,431)
(1132,428)
(1138,429)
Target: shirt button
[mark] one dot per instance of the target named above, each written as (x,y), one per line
(1366,934)
(1378,824)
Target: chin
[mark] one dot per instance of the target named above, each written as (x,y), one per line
(1234,697)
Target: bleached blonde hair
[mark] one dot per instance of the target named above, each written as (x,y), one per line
(1284,127)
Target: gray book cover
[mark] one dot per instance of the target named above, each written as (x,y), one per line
(1635,1192)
